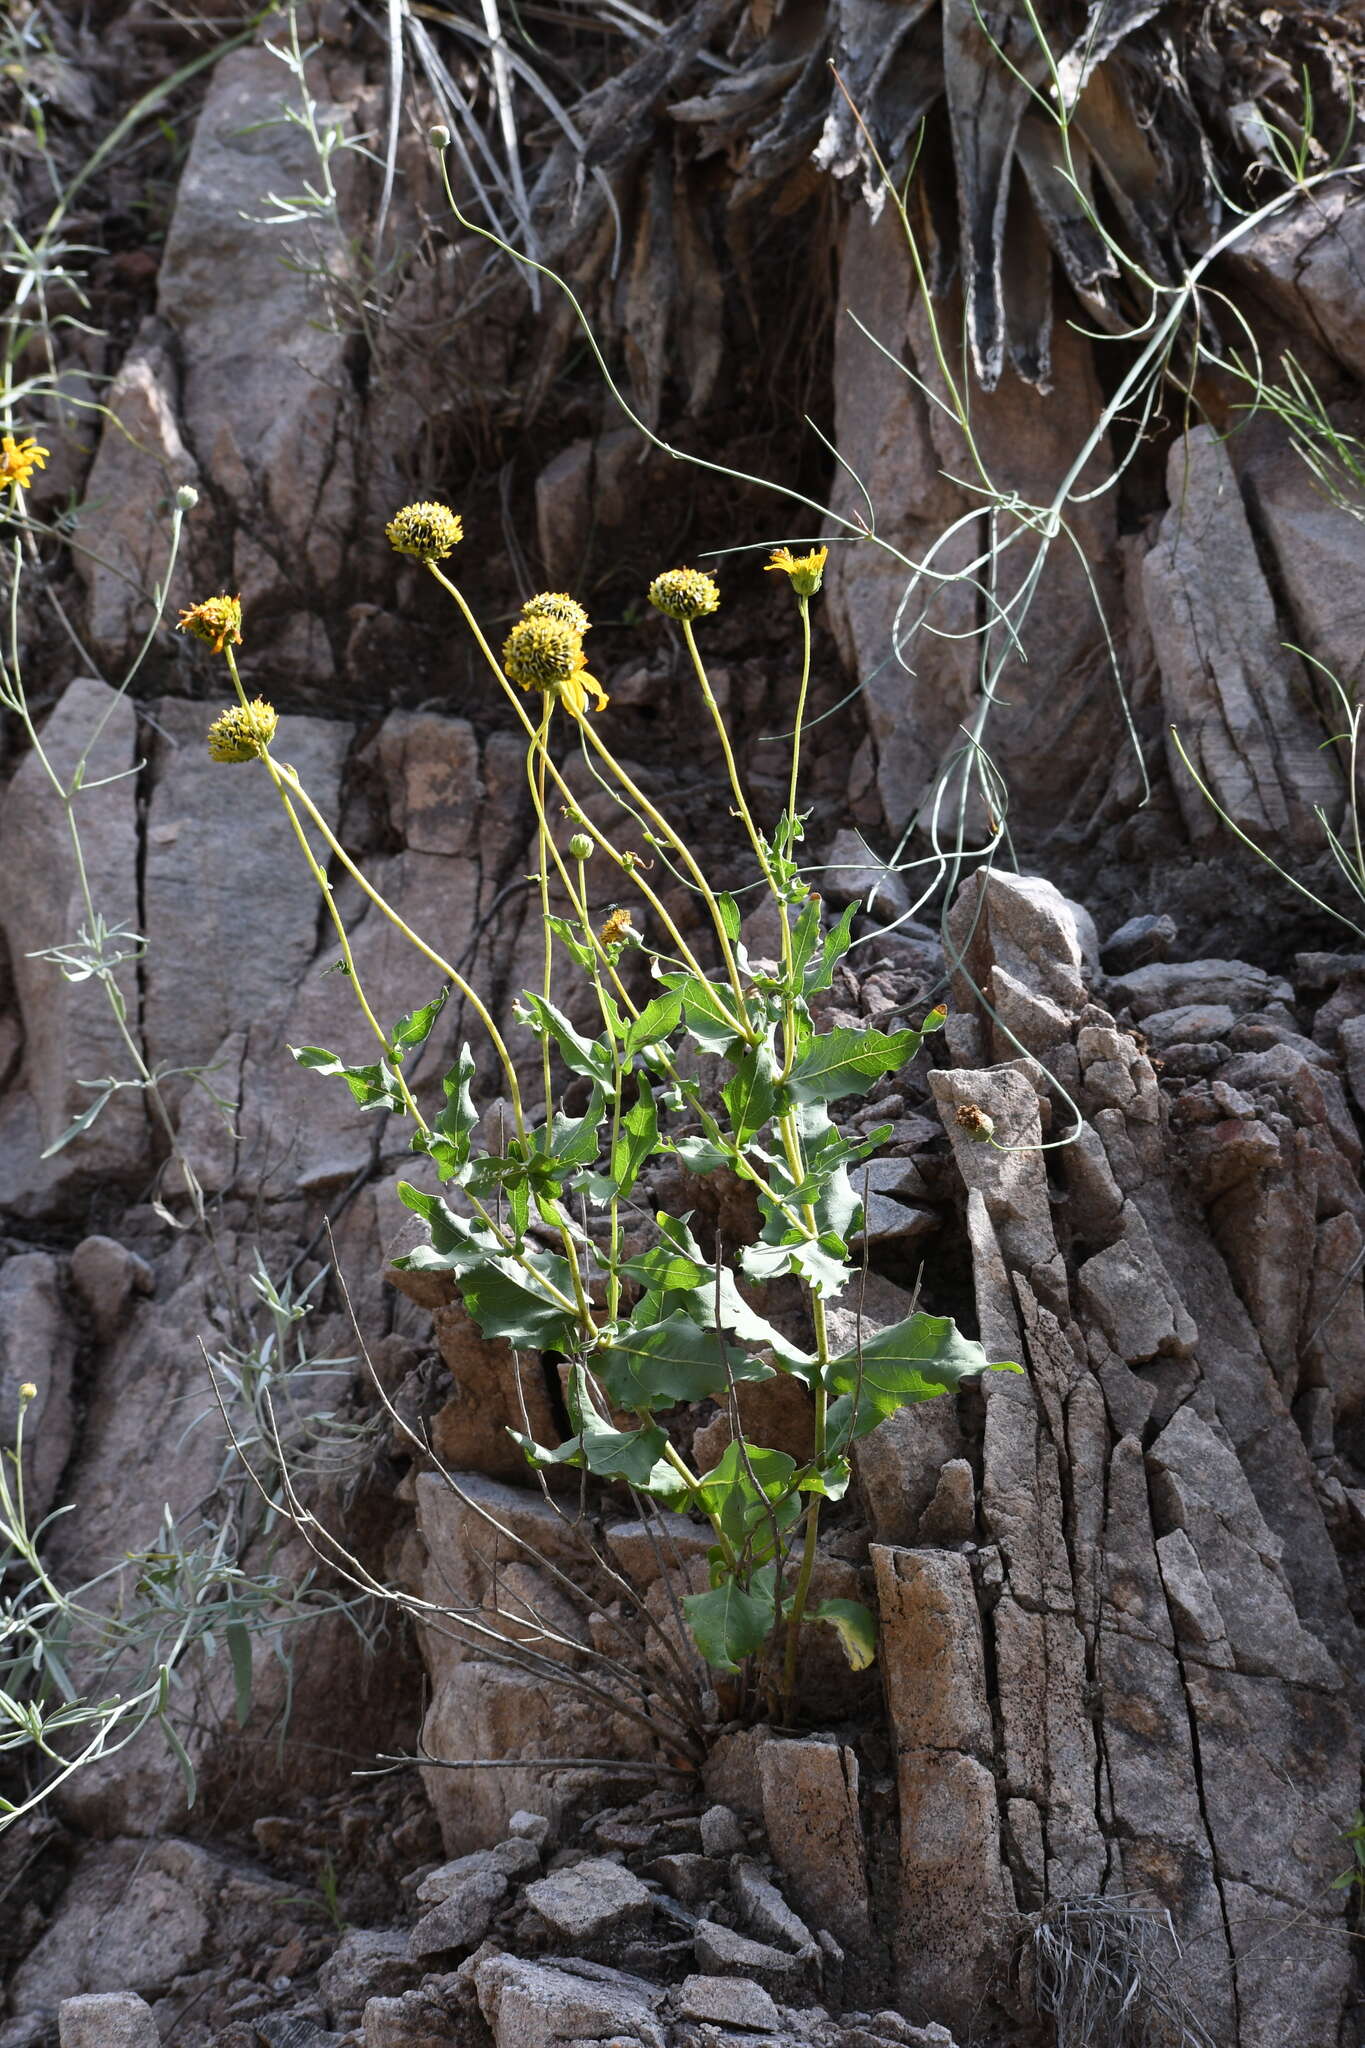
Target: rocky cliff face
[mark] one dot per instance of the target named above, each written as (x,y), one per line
(1119,1666)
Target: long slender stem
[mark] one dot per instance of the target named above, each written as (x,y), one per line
(627,866)
(684,853)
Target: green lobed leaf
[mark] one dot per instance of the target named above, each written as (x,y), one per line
(658,1020)
(855,1627)
(656,1365)
(636,1138)
(913,1360)
(820,973)
(589,1057)
(373,1087)
(453,1126)
(749,1095)
(729,1623)
(747,1490)
(845,1062)
(673,1281)
(415,1028)
(635,1455)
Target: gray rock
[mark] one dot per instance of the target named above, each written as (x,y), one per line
(206,972)
(1307,259)
(1025,927)
(107,2019)
(410,2021)
(530,1827)
(762,1908)
(1122,1288)
(723,1953)
(727,2002)
(851,873)
(37,1348)
(368,1962)
(814,1827)
(1239,699)
(536,2005)
(1139,942)
(1178,984)
(70,1035)
(138,1914)
(592,1899)
(721,1834)
(464,1912)
(1351,1039)
(1190,1024)
(689,1878)
(267,401)
(108,1276)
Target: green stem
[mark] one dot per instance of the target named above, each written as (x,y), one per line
(685,854)
(741,1027)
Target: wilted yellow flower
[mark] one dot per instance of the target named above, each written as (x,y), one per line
(684,594)
(806,571)
(425,530)
(557,604)
(240,732)
(545,654)
(217,621)
(19,459)
(979,1127)
(617,929)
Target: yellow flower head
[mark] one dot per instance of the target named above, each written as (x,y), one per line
(19,459)
(28,1392)
(806,571)
(240,733)
(684,594)
(618,929)
(555,604)
(425,530)
(545,654)
(217,621)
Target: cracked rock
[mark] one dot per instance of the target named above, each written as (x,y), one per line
(592,1899)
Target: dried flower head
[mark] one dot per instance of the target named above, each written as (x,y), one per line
(806,571)
(19,459)
(240,732)
(979,1127)
(545,654)
(618,930)
(217,621)
(426,531)
(684,594)
(557,604)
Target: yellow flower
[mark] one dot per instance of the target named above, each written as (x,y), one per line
(28,1392)
(545,654)
(241,732)
(217,621)
(806,571)
(618,929)
(19,459)
(684,594)
(426,530)
(556,604)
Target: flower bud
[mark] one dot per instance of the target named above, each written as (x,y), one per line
(580,846)
(28,1392)
(186,498)
(438,135)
